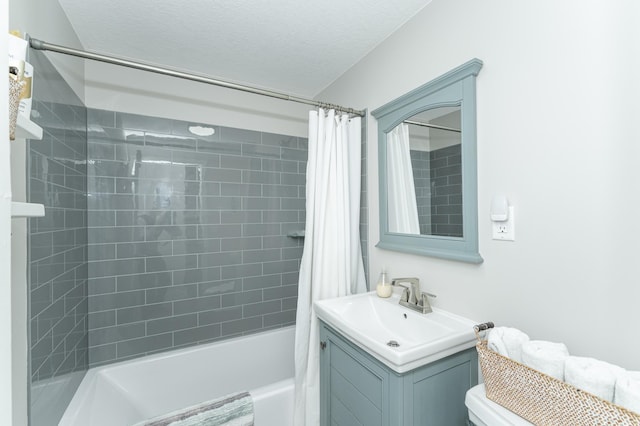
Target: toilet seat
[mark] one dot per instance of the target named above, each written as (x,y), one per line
(484,412)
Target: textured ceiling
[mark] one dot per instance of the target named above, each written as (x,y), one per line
(293,46)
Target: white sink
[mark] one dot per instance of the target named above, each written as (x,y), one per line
(371,322)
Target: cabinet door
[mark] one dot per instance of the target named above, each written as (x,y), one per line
(354,391)
(439,390)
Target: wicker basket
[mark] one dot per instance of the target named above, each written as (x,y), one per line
(542,399)
(15,90)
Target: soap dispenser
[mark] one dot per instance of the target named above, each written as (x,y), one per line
(383,289)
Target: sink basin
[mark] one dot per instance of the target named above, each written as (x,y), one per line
(372,322)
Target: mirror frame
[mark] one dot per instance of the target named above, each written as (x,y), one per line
(456,87)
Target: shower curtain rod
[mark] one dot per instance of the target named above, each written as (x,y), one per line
(43,45)
(433,126)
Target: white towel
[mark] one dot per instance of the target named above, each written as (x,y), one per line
(507,341)
(627,393)
(546,357)
(592,375)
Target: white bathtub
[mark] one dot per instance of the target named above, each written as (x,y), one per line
(127,392)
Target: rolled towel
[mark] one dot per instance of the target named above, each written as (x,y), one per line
(627,391)
(507,341)
(546,357)
(592,375)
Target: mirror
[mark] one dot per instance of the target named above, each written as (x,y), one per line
(427,168)
(424,174)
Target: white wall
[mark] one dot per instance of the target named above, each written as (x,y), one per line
(45,20)
(122,89)
(557,103)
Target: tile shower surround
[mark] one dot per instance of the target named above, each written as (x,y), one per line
(220,300)
(57,242)
(188,235)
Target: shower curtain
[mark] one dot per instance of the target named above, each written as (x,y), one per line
(402,208)
(332,258)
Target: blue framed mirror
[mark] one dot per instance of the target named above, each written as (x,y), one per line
(427,153)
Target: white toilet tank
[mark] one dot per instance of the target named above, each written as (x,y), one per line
(483,412)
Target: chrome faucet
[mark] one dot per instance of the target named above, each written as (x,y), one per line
(412,297)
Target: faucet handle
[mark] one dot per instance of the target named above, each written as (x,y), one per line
(423,302)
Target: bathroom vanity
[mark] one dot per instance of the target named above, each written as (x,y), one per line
(358,389)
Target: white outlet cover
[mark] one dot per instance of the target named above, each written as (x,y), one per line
(505,230)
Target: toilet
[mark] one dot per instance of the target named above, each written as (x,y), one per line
(483,412)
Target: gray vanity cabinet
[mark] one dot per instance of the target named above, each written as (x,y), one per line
(357,389)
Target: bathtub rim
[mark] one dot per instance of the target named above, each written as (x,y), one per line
(87,388)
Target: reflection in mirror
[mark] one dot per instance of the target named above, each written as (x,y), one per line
(424,167)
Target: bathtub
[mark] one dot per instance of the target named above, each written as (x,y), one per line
(127,392)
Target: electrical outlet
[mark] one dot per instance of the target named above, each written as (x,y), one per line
(505,230)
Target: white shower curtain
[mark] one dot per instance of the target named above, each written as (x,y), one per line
(402,208)
(332,257)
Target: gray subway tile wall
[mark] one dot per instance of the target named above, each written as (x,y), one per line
(364,202)
(57,243)
(188,235)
